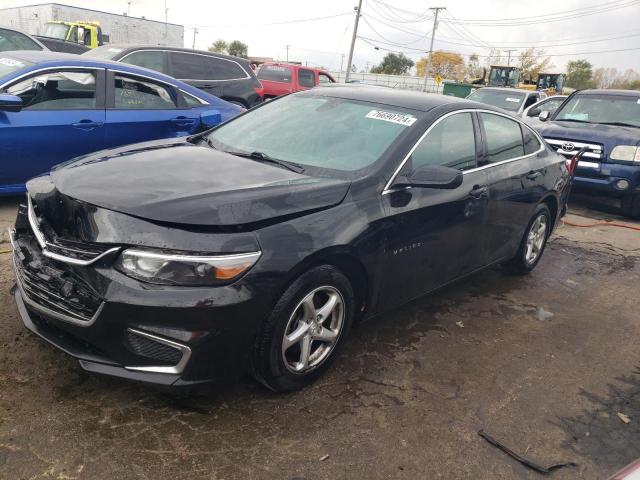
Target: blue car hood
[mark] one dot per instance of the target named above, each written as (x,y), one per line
(607,135)
(183,183)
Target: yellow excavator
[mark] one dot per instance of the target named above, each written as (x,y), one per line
(88,34)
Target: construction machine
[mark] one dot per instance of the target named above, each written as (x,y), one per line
(88,34)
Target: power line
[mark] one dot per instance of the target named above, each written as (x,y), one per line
(284,22)
(538,19)
(364,18)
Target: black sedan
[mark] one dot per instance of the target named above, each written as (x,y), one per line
(255,246)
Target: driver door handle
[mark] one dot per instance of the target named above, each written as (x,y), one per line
(533,175)
(479,191)
(86,125)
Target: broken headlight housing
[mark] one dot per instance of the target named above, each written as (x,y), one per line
(185,270)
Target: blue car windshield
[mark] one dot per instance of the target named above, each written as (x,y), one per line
(316,131)
(9,65)
(606,108)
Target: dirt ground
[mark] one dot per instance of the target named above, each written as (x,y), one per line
(543,363)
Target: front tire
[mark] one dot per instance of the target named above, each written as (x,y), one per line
(631,206)
(305,330)
(533,242)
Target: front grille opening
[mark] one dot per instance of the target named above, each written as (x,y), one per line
(148,348)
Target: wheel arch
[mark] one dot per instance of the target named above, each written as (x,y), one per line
(344,260)
(554,205)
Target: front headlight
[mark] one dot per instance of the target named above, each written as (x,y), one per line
(625,153)
(186,270)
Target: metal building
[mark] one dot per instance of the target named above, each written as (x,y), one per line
(119,28)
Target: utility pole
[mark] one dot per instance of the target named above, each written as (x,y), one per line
(166,21)
(288,46)
(129,8)
(509,55)
(195,32)
(433,35)
(341,61)
(353,41)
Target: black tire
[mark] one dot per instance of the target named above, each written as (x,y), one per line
(520,264)
(269,362)
(631,206)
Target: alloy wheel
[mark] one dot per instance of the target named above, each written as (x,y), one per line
(535,239)
(313,330)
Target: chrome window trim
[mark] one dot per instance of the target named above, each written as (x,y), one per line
(33,221)
(176,369)
(387,188)
(192,53)
(46,69)
(192,258)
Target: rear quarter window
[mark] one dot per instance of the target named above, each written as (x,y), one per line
(275,73)
(223,69)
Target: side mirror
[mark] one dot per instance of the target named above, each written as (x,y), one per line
(431,176)
(534,112)
(210,118)
(10,103)
(544,116)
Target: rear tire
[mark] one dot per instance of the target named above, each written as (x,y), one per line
(305,330)
(631,206)
(533,242)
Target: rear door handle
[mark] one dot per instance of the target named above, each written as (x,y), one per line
(86,125)
(479,191)
(533,175)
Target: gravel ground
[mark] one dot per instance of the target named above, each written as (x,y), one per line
(543,363)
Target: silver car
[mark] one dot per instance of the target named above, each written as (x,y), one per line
(513,100)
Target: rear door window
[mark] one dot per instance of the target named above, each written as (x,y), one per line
(275,73)
(190,67)
(503,138)
(152,59)
(451,143)
(137,94)
(306,78)
(223,69)
(531,143)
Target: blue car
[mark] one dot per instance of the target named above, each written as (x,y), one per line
(607,122)
(55,106)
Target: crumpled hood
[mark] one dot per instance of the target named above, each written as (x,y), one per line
(182,183)
(608,135)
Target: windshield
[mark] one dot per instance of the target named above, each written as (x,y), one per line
(498,98)
(324,132)
(503,76)
(12,40)
(56,30)
(602,109)
(104,52)
(9,65)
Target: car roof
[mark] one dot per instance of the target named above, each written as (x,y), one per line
(293,65)
(128,47)
(393,97)
(603,91)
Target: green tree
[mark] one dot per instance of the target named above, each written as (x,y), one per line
(219,46)
(579,74)
(394,64)
(532,62)
(238,49)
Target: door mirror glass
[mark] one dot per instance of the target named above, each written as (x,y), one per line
(544,116)
(210,118)
(431,176)
(10,103)
(534,112)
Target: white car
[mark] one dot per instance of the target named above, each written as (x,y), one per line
(549,104)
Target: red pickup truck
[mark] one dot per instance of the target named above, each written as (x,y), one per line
(281,78)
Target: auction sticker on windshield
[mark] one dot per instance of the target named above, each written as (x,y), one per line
(399,118)
(514,100)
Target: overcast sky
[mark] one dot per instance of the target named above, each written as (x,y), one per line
(393,26)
